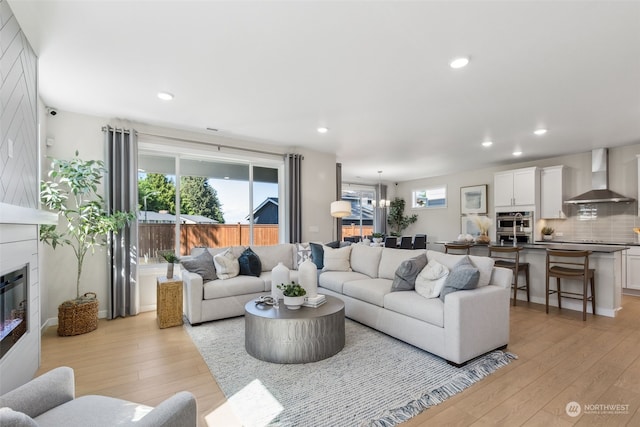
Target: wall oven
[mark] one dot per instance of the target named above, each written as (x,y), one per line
(523,222)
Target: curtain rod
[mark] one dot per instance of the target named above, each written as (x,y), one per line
(211,144)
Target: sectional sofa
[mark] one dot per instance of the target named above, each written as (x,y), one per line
(465,325)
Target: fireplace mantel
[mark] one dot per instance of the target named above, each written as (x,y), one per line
(12,214)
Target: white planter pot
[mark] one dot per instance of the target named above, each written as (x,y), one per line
(547,237)
(293,303)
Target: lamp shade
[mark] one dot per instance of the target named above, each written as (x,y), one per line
(340,209)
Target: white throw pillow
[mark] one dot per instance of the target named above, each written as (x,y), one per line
(337,259)
(431,279)
(227,265)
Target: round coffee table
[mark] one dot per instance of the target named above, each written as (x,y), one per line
(294,336)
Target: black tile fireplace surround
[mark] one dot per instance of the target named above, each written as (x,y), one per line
(13,308)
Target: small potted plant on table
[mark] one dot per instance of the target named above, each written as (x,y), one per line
(293,295)
(547,233)
(171,258)
(377,237)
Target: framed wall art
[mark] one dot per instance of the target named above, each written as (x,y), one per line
(473,200)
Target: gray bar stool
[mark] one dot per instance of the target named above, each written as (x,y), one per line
(571,264)
(457,248)
(509,257)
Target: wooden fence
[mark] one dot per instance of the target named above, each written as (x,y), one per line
(153,239)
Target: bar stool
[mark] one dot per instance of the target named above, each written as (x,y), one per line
(509,257)
(457,247)
(391,242)
(406,242)
(571,264)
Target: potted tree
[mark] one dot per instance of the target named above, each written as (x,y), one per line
(293,295)
(397,219)
(72,192)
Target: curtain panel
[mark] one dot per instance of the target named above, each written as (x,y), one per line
(122,195)
(293,188)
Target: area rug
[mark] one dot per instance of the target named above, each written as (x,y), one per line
(376,380)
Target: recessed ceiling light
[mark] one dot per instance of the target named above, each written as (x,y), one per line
(487,143)
(323,130)
(517,153)
(165,96)
(540,131)
(459,62)
(226,177)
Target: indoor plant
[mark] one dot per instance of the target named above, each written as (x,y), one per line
(377,237)
(396,217)
(547,233)
(293,295)
(171,258)
(72,192)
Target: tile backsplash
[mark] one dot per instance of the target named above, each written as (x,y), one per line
(608,222)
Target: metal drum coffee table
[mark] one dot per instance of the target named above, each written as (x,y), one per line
(294,336)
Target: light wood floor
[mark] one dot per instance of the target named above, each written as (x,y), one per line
(560,359)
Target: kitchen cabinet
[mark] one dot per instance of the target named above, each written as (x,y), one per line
(516,190)
(552,192)
(633,267)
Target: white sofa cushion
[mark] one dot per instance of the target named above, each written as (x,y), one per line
(365,259)
(411,304)
(334,280)
(431,279)
(271,255)
(227,265)
(239,285)
(336,259)
(391,259)
(482,263)
(369,290)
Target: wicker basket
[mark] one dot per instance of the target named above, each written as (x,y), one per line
(78,316)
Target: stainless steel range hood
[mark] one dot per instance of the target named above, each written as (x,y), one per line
(600,192)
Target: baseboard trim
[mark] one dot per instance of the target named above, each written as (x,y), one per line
(53,321)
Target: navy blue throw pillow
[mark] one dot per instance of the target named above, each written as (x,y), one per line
(250,264)
(317,255)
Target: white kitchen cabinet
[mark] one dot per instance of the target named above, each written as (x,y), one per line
(516,190)
(633,267)
(552,192)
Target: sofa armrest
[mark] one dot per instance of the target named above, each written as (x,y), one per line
(180,410)
(476,321)
(193,296)
(42,393)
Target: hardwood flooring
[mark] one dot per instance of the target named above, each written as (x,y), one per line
(561,359)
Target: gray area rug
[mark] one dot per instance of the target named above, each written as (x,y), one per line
(375,380)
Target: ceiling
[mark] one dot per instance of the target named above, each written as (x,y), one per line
(375,73)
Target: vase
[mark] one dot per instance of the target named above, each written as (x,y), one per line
(308,277)
(293,303)
(547,237)
(280,275)
(170,270)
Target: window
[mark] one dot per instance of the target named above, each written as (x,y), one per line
(361,221)
(190,201)
(434,197)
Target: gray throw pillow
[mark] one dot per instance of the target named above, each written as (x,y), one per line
(463,276)
(202,265)
(405,276)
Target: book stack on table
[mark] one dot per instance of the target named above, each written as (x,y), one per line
(314,302)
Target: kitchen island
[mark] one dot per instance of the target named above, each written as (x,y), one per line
(608,261)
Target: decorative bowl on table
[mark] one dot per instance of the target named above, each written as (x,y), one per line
(293,303)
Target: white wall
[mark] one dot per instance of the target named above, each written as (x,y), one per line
(444,224)
(73,132)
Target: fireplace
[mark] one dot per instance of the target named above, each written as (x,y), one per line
(13,308)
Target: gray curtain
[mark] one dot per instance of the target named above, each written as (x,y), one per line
(338,197)
(293,178)
(122,195)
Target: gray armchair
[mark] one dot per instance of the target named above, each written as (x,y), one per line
(49,400)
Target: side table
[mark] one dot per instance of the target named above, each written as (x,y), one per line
(169,302)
